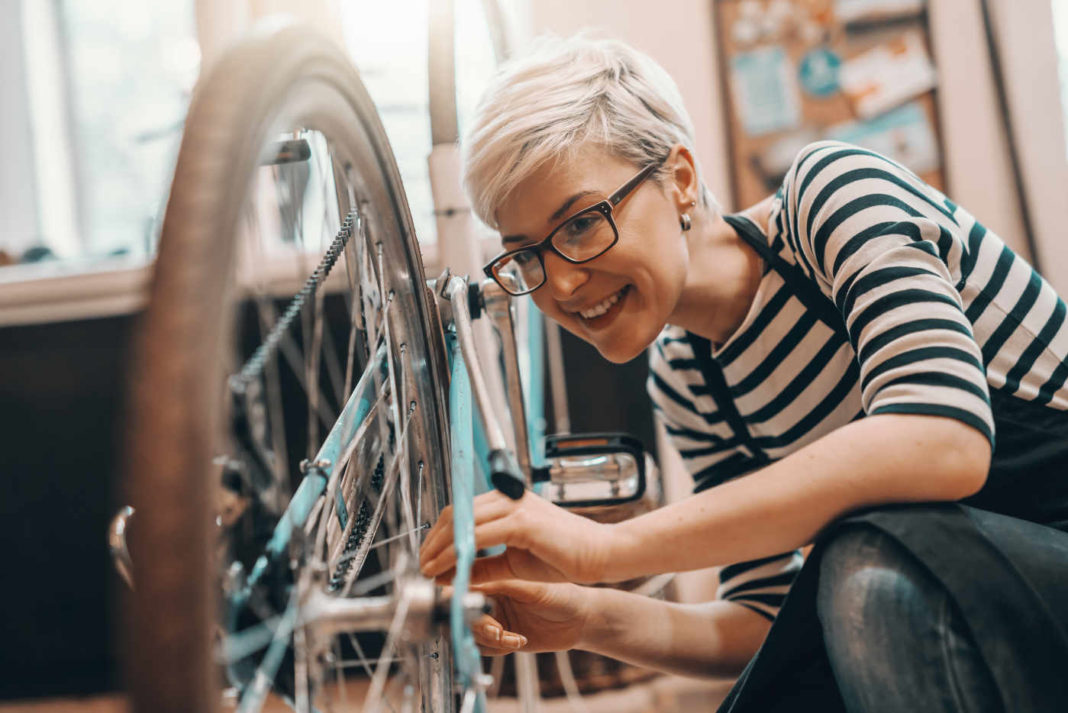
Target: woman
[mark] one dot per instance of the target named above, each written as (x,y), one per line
(854,362)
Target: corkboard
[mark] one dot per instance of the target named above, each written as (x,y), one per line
(750,180)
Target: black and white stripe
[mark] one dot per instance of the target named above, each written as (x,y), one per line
(936,311)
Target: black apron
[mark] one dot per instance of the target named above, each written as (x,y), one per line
(1001,555)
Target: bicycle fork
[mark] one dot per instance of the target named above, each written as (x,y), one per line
(507,475)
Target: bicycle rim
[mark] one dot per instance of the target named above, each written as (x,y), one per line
(246,224)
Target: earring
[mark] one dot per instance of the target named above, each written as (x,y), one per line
(684,222)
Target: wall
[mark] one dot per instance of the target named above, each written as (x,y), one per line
(977,152)
(678,34)
(1029,57)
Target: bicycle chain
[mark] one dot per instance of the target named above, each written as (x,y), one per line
(359,529)
(253,368)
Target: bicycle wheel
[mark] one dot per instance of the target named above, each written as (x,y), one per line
(288,279)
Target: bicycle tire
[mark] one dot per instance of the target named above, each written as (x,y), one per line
(183,352)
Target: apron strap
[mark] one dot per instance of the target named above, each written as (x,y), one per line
(802,285)
(811,297)
(721,394)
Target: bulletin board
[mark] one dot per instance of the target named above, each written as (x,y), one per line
(797,71)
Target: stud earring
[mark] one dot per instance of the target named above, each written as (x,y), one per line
(684,222)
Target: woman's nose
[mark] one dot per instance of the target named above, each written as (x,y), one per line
(563,277)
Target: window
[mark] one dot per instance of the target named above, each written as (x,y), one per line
(388,42)
(107,86)
(108,83)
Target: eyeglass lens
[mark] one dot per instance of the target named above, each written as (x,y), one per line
(583,237)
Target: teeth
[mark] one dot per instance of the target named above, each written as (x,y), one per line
(599,309)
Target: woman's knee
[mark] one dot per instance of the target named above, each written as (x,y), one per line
(886,620)
(869,586)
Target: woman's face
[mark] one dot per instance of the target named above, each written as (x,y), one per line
(619,301)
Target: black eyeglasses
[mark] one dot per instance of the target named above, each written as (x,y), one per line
(584,236)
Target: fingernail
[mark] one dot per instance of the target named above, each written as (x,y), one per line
(512,641)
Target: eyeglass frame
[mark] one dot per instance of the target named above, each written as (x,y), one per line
(604,207)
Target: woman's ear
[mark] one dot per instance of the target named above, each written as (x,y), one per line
(682,172)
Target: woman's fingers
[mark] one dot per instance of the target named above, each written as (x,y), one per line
(445,577)
(489,534)
(489,634)
(487,507)
(444,562)
(518,590)
(491,569)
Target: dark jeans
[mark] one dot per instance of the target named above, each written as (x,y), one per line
(894,638)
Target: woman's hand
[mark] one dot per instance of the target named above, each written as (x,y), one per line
(544,542)
(532,617)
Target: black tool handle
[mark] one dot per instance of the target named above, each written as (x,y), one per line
(505,474)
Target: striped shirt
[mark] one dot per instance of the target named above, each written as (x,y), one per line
(931,312)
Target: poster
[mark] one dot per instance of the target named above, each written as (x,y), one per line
(798,71)
(765,91)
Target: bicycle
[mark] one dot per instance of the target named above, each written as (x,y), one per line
(358,381)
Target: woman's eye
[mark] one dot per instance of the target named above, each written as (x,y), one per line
(580,227)
(525,258)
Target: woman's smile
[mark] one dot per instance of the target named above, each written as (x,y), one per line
(603,313)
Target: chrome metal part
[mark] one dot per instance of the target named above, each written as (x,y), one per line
(499,307)
(120,554)
(426,612)
(557,377)
(456,292)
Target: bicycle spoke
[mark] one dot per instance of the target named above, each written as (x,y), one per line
(312,328)
(424,526)
(356,663)
(419,494)
(333,366)
(246,642)
(342,687)
(372,583)
(378,680)
(360,656)
(254,696)
(302,695)
(332,486)
(388,540)
(379,511)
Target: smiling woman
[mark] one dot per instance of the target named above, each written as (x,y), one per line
(851,345)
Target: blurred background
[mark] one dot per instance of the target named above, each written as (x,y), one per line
(971,94)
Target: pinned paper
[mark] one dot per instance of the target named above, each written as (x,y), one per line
(870,11)
(765,91)
(819,72)
(888,75)
(904,134)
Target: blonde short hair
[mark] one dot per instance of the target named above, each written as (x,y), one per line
(566,93)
